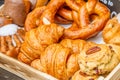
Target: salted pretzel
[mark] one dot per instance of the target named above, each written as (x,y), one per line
(88,28)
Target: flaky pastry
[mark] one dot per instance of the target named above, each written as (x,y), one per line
(36,40)
(57,61)
(111,33)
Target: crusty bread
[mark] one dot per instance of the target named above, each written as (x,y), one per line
(17,10)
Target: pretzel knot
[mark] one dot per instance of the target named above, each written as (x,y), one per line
(92,17)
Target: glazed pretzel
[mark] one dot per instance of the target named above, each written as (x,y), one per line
(88,28)
(50,12)
(33,18)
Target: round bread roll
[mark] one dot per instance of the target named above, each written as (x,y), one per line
(97,59)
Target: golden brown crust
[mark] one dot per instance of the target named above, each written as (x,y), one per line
(97,59)
(40,3)
(32,20)
(22,57)
(86,28)
(36,40)
(57,61)
(75,45)
(111,31)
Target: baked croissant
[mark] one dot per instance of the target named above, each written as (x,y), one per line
(36,40)
(57,61)
(75,45)
(60,60)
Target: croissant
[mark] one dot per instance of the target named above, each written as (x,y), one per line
(60,60)
(75,45)
(36,40)
(57,61)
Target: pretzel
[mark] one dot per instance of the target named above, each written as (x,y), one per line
(40,3)
(33,17)
(50,12)
(86,27)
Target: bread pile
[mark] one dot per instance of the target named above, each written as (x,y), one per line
(63,52)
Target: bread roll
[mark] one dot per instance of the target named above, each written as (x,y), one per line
(17,10)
